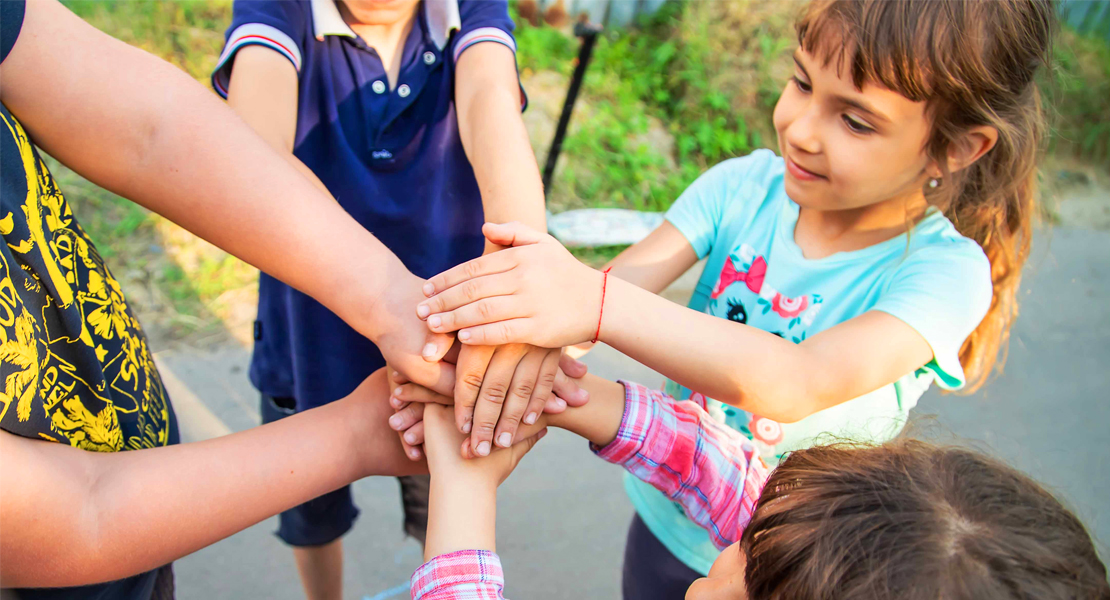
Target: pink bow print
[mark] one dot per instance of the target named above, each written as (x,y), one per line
(729,275)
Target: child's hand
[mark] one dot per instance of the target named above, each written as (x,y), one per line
(442,442)
(535,293)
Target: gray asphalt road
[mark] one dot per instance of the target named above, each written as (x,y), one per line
(563,514)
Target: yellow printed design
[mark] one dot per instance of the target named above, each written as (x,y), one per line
(74,363)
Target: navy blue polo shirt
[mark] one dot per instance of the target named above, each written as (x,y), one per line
(391,157)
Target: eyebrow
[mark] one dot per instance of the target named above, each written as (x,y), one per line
(854,103)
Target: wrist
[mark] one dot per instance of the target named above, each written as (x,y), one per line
(374,304)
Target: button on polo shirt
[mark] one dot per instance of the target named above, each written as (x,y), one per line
(392,158)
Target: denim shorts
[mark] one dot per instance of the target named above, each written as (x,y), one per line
(325,519)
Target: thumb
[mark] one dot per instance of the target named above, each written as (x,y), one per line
(573,367)
(436,346)
(512,234)
(523,446)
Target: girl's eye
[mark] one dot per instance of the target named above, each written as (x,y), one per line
(802,85)
(856,126)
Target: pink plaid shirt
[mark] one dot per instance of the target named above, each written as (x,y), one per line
(714,472)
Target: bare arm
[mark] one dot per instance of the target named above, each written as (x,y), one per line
(263,92)
(73,517)
(539,293)
(135,125)
(656,261)
(498,386)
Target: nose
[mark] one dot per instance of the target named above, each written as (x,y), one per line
(802,133)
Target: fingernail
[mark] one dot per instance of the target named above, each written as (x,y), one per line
(466,427)
(423,311)
(395,421)
(483,449)
(505,440)
(434,322)
(429,350)
(429,289)
(583,394)
(414,454)
(394,402)
(464,335)
(397,392)
(530,418)
(560,403)
(410,438)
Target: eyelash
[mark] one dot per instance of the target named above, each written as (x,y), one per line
(853,125)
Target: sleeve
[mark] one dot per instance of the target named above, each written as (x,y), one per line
(714,472)
(700,211)
(943,292)
(462,575)
(276,24)
(11,22)
(483,21)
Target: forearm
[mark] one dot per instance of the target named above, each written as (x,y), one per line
(493,135)
(599,419)
(462,514)
(129,512)
(731,362)
(140,127)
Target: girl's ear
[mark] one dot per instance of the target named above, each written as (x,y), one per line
(971,146)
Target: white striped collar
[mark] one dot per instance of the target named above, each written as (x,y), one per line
(442,17)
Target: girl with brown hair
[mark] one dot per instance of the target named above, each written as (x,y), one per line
(877,253)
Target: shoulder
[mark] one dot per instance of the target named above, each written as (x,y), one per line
(938,253)
(292,17)
(471,11)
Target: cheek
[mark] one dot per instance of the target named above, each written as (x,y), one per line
(785,109)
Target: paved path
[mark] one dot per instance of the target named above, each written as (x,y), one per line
(563,515)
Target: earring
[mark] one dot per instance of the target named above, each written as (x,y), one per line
(934,182)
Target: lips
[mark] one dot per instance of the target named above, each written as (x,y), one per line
(801,173)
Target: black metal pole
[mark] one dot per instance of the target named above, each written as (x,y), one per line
(588,32)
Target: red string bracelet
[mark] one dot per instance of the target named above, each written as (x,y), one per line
(601,313)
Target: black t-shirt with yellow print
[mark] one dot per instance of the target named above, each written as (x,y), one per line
(75,367)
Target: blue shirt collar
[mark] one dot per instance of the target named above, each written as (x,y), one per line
(442,17)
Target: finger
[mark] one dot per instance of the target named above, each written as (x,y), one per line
(397,378)
(486,310)
(544,387)
(495,388)
(414,436)
(408,416)
(497,262)
(521,390)
(452,355)
(572,366)
(470,371)
(436,345)
(467,292)
(512,234)
(524,446)
(438,376)
(411,451)
(410,392)
(568,389)
(512,331)
(555,405)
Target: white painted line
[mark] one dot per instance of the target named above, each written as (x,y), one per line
(196,421)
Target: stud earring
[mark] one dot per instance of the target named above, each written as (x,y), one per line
(934,182)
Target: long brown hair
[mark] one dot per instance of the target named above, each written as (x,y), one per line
(908,520)
(973,63)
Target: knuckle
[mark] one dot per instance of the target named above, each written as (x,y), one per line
(470,269)
(471,290)
(484,308)
(484,429)
(472,380)
(524,388)
(506,330)
(495,392)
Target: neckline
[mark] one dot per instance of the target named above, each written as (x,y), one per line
(788,222)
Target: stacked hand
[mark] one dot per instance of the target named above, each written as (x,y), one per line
(495,387)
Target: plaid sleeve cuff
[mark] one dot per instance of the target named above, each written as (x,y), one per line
(461,575)
(639,405)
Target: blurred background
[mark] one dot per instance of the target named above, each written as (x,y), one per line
(666,95)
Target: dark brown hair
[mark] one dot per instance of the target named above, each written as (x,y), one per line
(973,63)
(908,520)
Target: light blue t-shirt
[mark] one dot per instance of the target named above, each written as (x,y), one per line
(933,278)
